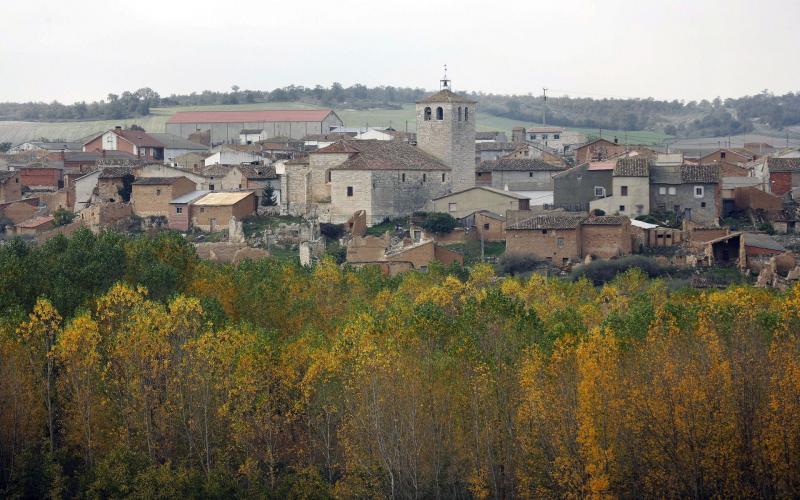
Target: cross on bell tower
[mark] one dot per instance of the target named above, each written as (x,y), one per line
(444,83)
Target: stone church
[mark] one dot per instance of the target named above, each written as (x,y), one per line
(388,179)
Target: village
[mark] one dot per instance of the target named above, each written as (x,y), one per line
(300,183)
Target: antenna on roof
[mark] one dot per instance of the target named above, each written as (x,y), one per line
(444,83)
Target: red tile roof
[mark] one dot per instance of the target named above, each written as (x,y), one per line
(271,115)
(139,138)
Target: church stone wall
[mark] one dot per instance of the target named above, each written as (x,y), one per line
(450,140)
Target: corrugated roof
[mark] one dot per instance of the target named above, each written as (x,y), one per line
(219,198)
(518,165)
(446,95)
(270,115)
(189,197)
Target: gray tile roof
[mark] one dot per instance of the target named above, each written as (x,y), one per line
(387,155)
(495,146)
(446,95)
(783,164)
(633,166)
(702,174)
(548,221)
(257,172)
(518,165)
(115,172)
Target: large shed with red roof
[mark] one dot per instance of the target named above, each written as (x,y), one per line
(225,126)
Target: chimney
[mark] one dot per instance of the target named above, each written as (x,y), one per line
(616,140)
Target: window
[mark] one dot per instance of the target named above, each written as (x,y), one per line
(544,136)
(623,190)
(451,207)
(556,136)
(722,154)
(349,191)
(600,192)
(202,210)
(178,210)
(443,177)
(327,176)
(427,114)
(424,177)
(530,174)
(622,208)
(459,113)
(533,137)
(439,113)
(240,186)
(486,227)
(158,192)
(672,191)
(210,187)
(403,177)
(662,190)
(699,191)
(703,204)
(560,242)
(466,114)
(544,231)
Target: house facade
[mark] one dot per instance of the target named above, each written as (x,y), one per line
(151,196)
(630,189)
(462,203)
(10,186)
(528,174)
(690,191)
(576,188)
(135,142)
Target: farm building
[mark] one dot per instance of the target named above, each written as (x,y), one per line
(226,126)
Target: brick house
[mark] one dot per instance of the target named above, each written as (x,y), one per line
(783,175)
(517,174)
(213,211)
(10,186)
(151,196)
(42,176)
(135,142)
(561,239)
(179,217)
(597,150)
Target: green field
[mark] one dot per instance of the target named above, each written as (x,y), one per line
(400,119)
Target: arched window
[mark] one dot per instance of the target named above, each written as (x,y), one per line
(439,113)
(428,114)
(466,114)
(459,113)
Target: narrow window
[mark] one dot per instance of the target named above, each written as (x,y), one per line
(424,177)
(722,154)
(622,208)
(624,190)
(600,192)
(202,210)
(439,113)
(459,113)
(466,114)
(349,191)
(210,187)
(327,176)
(443,177)
(698,191)
(451,207)
(560,242)
(428,114)
(530,174)
(403,177)
(158,192)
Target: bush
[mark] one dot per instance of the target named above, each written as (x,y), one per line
(766,227)
(439,223)
(647,218)
(603,271)
(597,212)
(62,217)
(516,264)
(331,231)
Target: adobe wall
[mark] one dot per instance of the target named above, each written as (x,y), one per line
(544,245)
(605,241)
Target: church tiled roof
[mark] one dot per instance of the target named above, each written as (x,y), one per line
(446,95)
(518,165)
(384,155)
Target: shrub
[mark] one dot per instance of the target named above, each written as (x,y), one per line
(331,231)
(766,227)
(647,218)
(62,217)
(603,271)
(597,212)
(439,223)
(516,264)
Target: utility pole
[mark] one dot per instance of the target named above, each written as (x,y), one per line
(544,106)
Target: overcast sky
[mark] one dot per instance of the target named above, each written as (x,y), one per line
(684,49)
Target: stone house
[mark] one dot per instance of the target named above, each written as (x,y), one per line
(136,142)
(462,203)
(151,196)
(574,189)
(630,188)
(534,152)
(690,191)
(213,211)
(258,177)
(110,184)
(528,174)
(783,174)
(598,150)
(489,151)
(394,259)
(384,178)
(10,186)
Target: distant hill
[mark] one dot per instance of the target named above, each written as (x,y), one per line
(649,120)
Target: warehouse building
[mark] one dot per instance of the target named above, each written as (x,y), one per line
(226,126)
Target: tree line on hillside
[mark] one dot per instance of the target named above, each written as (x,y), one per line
(129,368)
(690,119)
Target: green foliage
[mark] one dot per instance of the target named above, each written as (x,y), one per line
(603,271)
(331,231)
(515,264)
(766,227)
(268,196)
(598,212)
(647,218)
(5,146)
(438,223)
(62,217)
